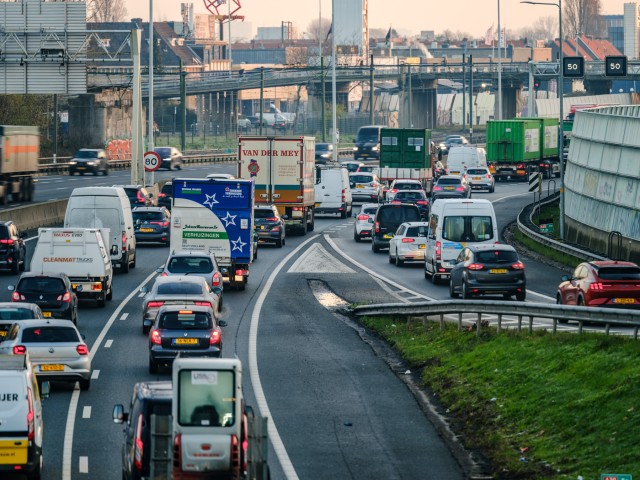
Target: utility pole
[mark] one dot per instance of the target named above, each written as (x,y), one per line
(464,91)
(183,108)
(371,70)
(324,99)
(410,97)
(55,127)
(470,98)
(151,132)
(261,96)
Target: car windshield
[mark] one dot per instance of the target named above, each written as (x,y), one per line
(367,169)
(49,334)
(351,167)
(397,214)
(448,181)
(185,320)
(148,217)
(190,265)
(361,178)
(497,256)
(163,152)
(17,314)
(263,213)
(206,398)
(324,147)
(179,288)
(419,231)
(411,196)
(619,273)
(86,154)
(368,135)
(41,285)
(472,228)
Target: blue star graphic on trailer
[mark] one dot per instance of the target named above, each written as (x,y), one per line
(229,220)
(211,200)
(238,244)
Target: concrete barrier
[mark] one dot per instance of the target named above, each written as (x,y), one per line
(38,214)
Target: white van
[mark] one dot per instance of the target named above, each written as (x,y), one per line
(82,255)
(463,157)
(105,207)
(332,192)
(21,428)
(454,224)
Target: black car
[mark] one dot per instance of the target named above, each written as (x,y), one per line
(89,160)
(452,141)
(367,142)
(185,330)
(51,292)
(324,153)
(138,195)
(151,224)
(165,196)
(149,398)
(414,197)
(488,269)
(269,225)
(388,218)
(13,251)
(170,157)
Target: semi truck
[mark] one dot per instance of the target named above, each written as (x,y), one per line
(283,169)
(19,152)
(520,146)
(215,216)
(406,153)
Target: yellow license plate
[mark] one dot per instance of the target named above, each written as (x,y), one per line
(317,204)
(74,286)
(454,173)
(387,235)
(520,172)
(46,314)
(497,270)
(448,188)
(359,186)
(51,368)
(422,247)
(3,333)
(624,300)
(13,452)
(186,341)
(146,230)
(261,227)
(477,178)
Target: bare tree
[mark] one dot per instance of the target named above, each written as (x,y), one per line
(454,36)
(582,16)
(318,29)
(106,11)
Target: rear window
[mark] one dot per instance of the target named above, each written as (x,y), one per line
(148,216)
(420,231)
(4,232)
(163,152)
(619,273)
(395,215)
(474,228)
(49,334)
(477,171)
(131,192)
(41,285)
(369,210)
(167,189)
(408,186)
(185,321)
(367,169)
(361,178)
(448,181)
(410,196)
(497,256)
(263,213)
(190,265)
(180,288)
(17,314)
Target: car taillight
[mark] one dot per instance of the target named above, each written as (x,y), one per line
(19,350)
(162,224)
(475,266)
(542,165)
(518,266)
(422,202)
(66,297)
(155,304)
(408,240)
(596,286)
(393,190)
(459,189)
(17,297)
(215,280)
(436,188)
(162,195)
(124,241)
(374,184)
(96,286)
(271,219)
(438,251)
(139,197)
(377,227)
(296,209)
(363,217)
(344,194)
(488,175)
(164,274)
(155,337)
(31,431)
(275,229)
(139,447)
(520,166)
(7,241)
(82,349)
(215,337)
(395,202)
(203,304)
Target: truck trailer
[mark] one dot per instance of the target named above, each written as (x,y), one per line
(406,153)
(283,169)
(19,153)
(215,216)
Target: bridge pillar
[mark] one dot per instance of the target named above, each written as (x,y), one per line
(598,87)
(512,102)
(424,103)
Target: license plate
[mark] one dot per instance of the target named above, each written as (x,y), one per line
(422,247)
(477,178)
(520,172)
(51,368)
(3,333)
(14,452)
(359,186)
(624,300)
(146,230)
(46,314)
(497,270)
(82,168)
(74,286)
(186,341)
(454,173)
(317,204)
(448,188)
(261,227)
(387,235)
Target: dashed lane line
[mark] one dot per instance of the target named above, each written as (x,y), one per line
(86,412)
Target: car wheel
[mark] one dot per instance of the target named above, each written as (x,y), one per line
(356,237)
(492,189)
(124,267)
(105,172)
(343,213)
(284,241)
(391,258)
(452,292)
(521,296)
(85,384)
(465,290)
(179,166)
(279,243)
(399,262)
(133,264)
(15,266)
(71,173)
(95,172)
(37,472)
(153,366)
(374,247)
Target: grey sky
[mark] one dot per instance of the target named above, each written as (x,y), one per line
(473,16)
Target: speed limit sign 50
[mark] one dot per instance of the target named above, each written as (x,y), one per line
(152,161)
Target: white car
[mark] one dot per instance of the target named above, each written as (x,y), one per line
(364,221)
(221,176)
(402,184)
(365,186)
(409,243)
(481,179)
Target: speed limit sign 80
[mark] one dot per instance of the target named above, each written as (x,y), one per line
(152,161)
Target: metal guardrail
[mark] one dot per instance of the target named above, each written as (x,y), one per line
(557,313)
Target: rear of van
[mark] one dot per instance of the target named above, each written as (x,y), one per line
(332,192)
(461,158)
(454,224)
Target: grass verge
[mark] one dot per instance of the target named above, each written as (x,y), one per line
(539,406)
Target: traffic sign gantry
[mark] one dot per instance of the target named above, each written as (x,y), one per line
(152,161)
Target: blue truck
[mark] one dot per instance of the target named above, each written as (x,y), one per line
(215,216)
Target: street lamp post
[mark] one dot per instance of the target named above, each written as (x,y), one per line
(334,155)
(561,99)
(151,132)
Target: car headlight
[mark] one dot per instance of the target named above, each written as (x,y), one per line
(442,146)
(375,149)
(355,149)
(91,163)
(326,155)
(72,162)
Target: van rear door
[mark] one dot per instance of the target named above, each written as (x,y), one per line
(14,409)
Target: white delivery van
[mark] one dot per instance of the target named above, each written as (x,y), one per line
(463,157)
(21,428)
(105,207)
(332,191)
(454,224)
(82,255)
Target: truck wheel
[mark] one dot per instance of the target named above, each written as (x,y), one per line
(29,190)
(102,303)
(124,267)
(242,286)
(110,294)
(343,213)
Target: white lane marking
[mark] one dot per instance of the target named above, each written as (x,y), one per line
(124,316)
(274,436)
(541,295)
(86,412)
(510,196)
(387,289)
(95,374)
(61,188)
(141,294)
(83,464)
(108,343)
(73,404)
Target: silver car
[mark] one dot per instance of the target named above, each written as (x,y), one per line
(365,186)
(363,225)
(409,243)
(55,347)
(178,290)
(197,264)
(481,179)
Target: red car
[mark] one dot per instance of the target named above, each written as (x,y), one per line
(602,284)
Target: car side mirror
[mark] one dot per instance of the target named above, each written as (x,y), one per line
(159,270)
(11,288)
(144,289)
(222,323)
(45,389)
(217,290)
(118,414)
(565,278)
